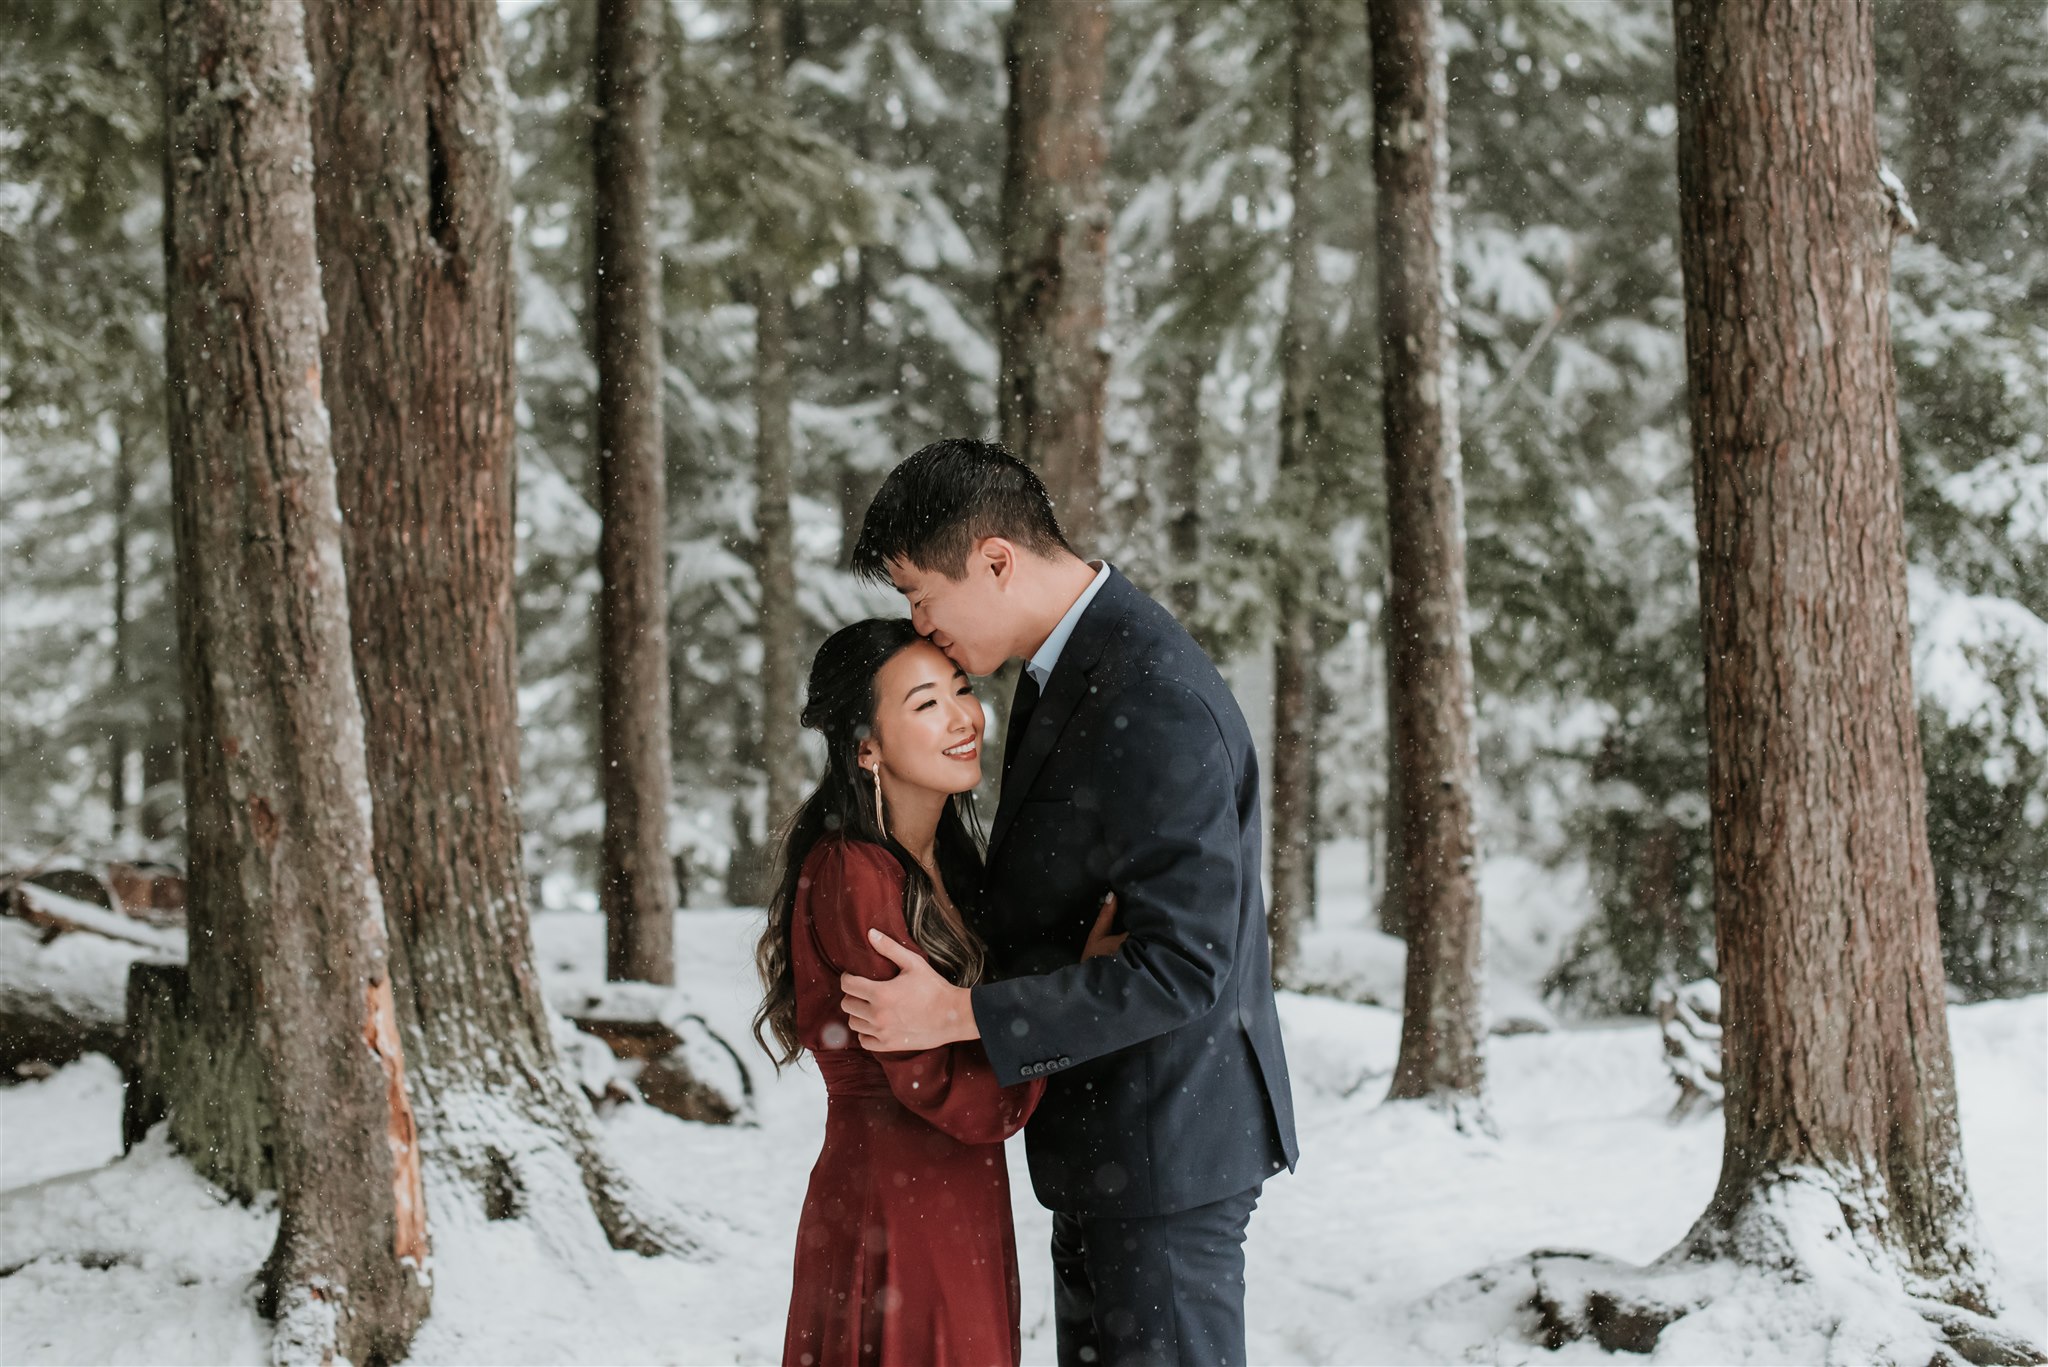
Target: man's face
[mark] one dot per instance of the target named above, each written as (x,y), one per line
(969,617)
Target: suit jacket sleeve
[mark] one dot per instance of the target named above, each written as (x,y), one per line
(858,886)
(1172,826)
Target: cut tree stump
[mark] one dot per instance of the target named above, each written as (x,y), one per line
(221,1118)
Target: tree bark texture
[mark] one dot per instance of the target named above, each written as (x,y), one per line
(774,459)
(287,924)
(846,307)
(1836,1047)
(1429,666)
(636,883)
(1293,830)
(413,186)
(1050,308)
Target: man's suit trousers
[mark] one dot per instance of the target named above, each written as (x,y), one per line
(1164,1290)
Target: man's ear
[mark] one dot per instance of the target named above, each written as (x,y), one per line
(997,555)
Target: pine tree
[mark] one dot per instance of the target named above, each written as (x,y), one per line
(1835,1051)
(1294,831)
(1055,226)
(288,947)
(1429,671)
(636,884)
(774,455)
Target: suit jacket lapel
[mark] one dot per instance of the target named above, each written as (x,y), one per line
(1062,694)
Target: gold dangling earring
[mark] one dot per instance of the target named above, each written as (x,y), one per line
(881,819)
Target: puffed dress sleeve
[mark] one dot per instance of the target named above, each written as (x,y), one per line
(855,886)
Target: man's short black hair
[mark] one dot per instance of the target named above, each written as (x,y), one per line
(934,506)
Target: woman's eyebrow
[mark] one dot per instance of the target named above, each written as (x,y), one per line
(957,673)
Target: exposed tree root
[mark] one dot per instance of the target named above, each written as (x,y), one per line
(1788,1276)
(1977,1338)
(538,1157)
(633,1218)
(1580,1296)
(1789,1268)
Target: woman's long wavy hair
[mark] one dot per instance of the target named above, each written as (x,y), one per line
(841,705)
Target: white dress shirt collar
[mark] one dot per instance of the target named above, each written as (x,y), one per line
(1041,662)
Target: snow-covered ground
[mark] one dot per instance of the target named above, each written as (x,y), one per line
(105,1259)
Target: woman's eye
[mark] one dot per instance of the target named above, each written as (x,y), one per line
(928,702)
(966,692)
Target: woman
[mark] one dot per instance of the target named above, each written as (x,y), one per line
(905,1252)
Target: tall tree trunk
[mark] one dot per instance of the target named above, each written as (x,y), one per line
(1429,666)
(1373,812)
(1180,418)
(120,743)
(848,311)
(1836,1034)
(775,533)
(1294,645)
(636,883)
(1182,440)
(413,204)
(1935,62)
(288,938)
(1050,310)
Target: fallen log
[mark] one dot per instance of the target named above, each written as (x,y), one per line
(55,912)
(64,968)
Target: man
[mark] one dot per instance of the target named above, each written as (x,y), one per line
(1128,769)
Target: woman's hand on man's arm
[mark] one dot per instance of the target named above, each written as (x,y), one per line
(1101,943)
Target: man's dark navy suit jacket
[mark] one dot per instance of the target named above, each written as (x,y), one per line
(1166,1085)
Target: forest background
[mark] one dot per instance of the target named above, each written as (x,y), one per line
(875,190)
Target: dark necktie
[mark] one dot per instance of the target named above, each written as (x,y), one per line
(1020,715)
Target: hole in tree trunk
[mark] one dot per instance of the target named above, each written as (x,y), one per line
(440,206)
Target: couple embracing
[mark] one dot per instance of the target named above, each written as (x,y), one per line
(1098,975)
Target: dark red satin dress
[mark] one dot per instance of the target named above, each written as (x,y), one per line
(905,1253)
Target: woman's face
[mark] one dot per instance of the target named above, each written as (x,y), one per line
(927,721)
